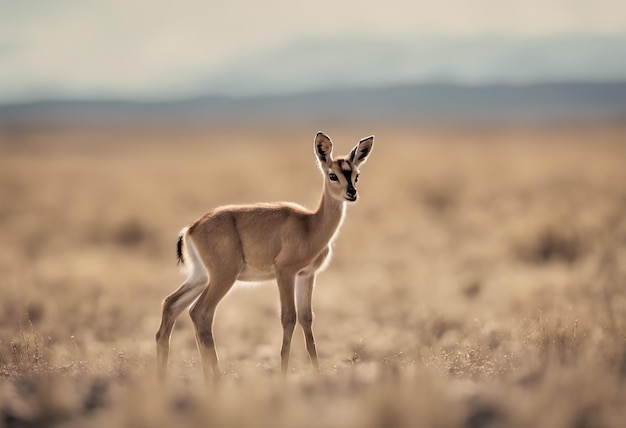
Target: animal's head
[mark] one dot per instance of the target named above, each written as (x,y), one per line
(341,174)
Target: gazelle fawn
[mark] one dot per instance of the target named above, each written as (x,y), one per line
(260,242)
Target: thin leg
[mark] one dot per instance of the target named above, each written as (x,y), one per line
(173,305)
(304,293)
(287,315)
(202,314)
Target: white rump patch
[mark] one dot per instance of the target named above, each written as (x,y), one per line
(194,267)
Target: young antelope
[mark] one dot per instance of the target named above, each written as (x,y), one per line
(259,242)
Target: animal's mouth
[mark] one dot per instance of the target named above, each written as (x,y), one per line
(350,198)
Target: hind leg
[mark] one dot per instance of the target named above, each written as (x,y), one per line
(173,305)
(202,314)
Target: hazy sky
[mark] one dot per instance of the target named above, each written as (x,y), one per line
(78,46)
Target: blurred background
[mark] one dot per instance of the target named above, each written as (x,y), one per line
(196,62)
(479,281)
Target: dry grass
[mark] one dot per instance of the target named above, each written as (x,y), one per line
(480,281)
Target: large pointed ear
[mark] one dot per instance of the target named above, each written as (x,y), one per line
(361,151)
(323,149)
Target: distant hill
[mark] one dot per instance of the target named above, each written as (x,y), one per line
(306,65)
(418,104)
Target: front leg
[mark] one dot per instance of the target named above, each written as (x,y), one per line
(304,293)
(286,284)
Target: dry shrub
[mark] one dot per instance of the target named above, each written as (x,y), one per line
(130,233)
(24,353)
(551,245)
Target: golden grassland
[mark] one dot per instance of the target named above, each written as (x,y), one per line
(479,281)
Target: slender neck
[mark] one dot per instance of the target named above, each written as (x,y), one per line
(328,217)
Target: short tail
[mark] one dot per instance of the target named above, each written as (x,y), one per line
(179,246)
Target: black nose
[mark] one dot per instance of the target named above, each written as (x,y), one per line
(351,192)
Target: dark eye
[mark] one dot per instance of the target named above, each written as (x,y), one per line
(333,177)
(356,179)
